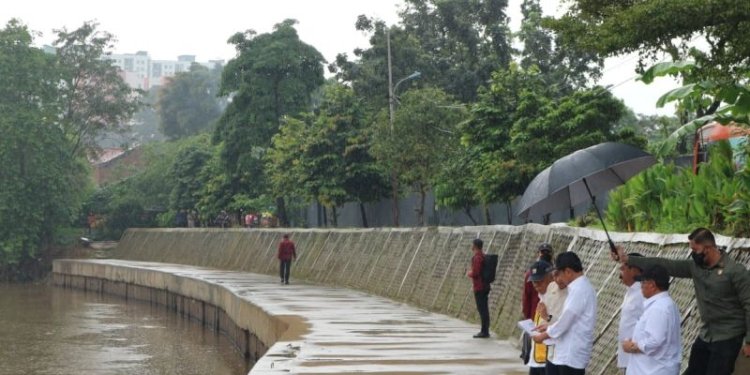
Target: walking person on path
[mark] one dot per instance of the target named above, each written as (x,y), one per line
(287,253)
(722,292)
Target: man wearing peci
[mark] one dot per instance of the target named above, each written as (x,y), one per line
(722,292)
(656,345)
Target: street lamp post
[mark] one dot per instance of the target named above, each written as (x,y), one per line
(391,114)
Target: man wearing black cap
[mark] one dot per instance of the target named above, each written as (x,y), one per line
(530,297)
(656,345)
(540,275)
(573,332)
(722,291)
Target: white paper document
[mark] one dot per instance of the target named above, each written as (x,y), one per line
(528,327)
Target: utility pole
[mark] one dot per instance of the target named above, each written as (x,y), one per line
(391,110)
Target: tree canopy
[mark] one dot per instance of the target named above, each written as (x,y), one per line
(188,103)
(273,75)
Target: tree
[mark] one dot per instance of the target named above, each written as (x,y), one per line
(93,97)
(189,163)
(455,44)
(520,126)
(187,103)
(325,157)
(41,182)
(566,68)
(416,148)
(486,134)
(273,75)
(655,27)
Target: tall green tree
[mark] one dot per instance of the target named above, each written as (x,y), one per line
(324,157)
(562,66)
(187,172)
(455,44)
(187,103)
(41,181)
(653,28)
(93,96)
(416,148)
(486,134)
(521,125)
(273,75)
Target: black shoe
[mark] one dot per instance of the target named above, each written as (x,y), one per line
(481,335)
(286,282)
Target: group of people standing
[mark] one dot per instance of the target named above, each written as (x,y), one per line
(562,303)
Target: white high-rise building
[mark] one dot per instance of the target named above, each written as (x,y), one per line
(140,72)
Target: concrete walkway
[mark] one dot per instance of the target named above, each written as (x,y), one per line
(341,331)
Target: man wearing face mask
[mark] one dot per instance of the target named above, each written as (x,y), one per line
(722,291)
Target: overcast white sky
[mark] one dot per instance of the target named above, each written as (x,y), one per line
(166,29)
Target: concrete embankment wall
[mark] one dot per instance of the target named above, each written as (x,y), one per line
(249,327)
(426,267)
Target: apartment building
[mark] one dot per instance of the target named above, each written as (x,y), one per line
(141,72)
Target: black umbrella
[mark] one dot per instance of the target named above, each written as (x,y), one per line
(578,177)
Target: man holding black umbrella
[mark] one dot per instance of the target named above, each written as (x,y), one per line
(722,290)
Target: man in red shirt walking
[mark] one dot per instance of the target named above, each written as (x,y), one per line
(287,253)
(481,289)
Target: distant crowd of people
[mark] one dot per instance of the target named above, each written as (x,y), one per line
(192,219)
(560,303)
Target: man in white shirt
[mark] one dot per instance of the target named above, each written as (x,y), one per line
(551,306)
(631,309)
(656,345)
(573,332)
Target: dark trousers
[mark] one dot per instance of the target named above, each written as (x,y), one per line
(483,309)
(285,268)
(551,369)
(566,370)
(713,358)
(537,371)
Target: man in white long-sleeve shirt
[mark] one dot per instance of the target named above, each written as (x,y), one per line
(631,309)
(573,332)
(656,344)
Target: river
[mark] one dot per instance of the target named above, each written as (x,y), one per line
(50,330)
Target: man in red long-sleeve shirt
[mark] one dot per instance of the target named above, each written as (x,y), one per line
(530,297)
(480,288)
(287,253)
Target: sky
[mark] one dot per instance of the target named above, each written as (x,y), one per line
(166,29)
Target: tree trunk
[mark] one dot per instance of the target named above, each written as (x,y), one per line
(467,210)
(335,217)
(364,214)
(394,197)
(487,218)
(281,212)
(420,210)
(325,216)
(509,212)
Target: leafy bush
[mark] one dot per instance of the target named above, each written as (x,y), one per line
(671,199)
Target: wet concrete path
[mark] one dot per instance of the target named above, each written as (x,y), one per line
(341,331)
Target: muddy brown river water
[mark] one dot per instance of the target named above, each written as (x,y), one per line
(49,330)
